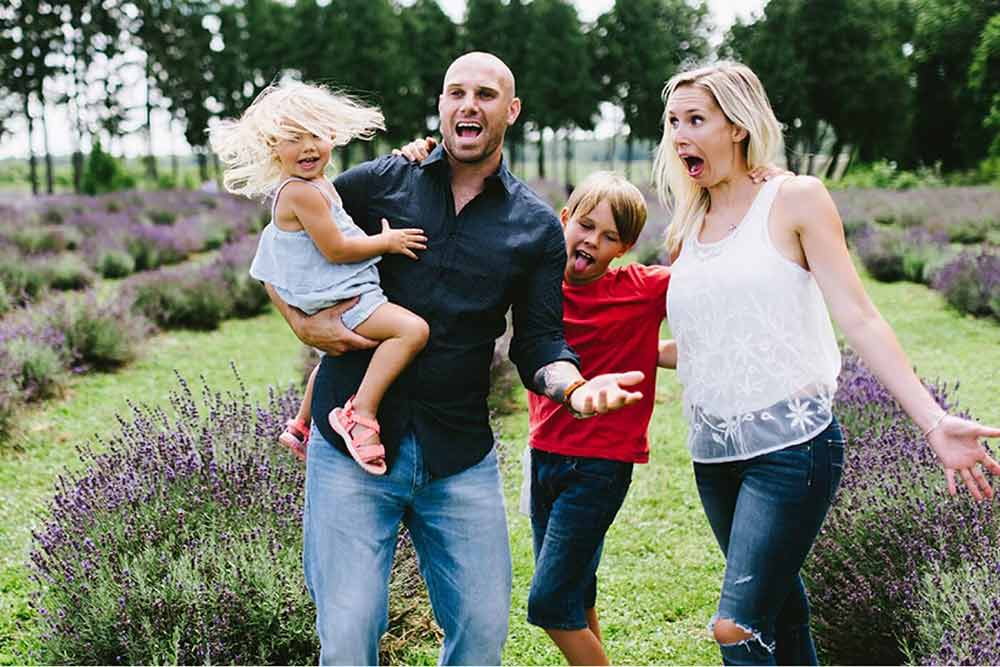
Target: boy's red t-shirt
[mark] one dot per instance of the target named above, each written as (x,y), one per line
(614,325)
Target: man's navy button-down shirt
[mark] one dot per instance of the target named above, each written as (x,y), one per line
(504,250)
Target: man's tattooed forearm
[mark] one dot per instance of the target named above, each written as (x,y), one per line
(552,379)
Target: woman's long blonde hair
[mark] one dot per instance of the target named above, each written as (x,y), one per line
(740,95)
(246,146)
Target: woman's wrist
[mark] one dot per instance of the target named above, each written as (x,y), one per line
(935,424)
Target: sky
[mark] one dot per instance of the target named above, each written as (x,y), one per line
(723,12)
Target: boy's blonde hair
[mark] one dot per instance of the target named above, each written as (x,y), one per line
(628,206)
(740,95)
(246,146)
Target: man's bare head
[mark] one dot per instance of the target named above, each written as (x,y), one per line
(476,106)
(485,64)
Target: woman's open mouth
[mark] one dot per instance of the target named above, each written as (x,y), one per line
(695,165)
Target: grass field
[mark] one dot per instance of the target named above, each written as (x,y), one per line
(661,568)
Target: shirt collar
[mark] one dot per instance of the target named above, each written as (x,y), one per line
(438,159)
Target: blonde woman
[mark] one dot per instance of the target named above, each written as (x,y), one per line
(755,267)
(312,253)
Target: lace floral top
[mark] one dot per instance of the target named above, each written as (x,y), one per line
(756,351)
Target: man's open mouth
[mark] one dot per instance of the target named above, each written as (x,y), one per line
(695,165)
(468,130)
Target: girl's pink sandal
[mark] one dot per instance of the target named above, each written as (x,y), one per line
(296,438)
(370,454)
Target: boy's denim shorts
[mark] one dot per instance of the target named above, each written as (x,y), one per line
(573,502)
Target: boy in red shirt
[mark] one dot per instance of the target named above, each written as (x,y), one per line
(581,469)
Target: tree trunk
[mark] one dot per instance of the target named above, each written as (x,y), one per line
(217,168)
(48,152)
(150,155)
(541,153)
(831,165)
(851,154)
(568,162)
(629,142)
(202,163)
(345,158)
(175,163)
(32,161)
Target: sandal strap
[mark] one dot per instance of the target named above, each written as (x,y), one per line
(370,453)
(351,414)
(299,426)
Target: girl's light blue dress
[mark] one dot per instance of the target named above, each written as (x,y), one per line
(304,278)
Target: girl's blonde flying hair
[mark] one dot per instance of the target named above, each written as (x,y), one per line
(281,111)
(740,95)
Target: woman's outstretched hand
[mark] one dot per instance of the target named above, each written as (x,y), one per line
(956,443)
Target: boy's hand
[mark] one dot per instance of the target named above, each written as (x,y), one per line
(606,393)
(416,150)
(768,171)
(403,241)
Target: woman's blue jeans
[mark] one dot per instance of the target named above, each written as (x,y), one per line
(766,512)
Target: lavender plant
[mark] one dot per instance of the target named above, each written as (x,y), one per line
(959,621)
(971,283)
(179,540)
(891,523)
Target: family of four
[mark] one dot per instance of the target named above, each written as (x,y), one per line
(395,428)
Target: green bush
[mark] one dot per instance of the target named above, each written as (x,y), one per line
(6,303)
(103,173)
(68,272)
(115,264)
(46,239)
(161,217)
(23,281)
(176,302)
(39,372)
(969,231)
(102,336)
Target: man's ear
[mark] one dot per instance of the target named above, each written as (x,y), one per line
(514,110)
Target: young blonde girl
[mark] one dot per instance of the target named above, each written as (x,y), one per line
(311,252)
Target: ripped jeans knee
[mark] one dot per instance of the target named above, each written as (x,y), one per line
(742,644)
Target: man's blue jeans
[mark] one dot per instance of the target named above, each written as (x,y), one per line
(459,530)
(765,513)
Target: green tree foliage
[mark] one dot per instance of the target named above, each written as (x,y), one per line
(835,65)
(434,38)
(948,114)
(641,44)
(103,173)
(559,89)
(984,78)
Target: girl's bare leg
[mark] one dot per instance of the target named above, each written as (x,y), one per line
(304,415)
(403,335)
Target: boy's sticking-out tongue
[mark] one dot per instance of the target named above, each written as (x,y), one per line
(581,262)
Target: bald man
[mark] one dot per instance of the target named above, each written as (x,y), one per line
(493,245)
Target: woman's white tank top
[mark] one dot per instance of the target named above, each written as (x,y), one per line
(756,352)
